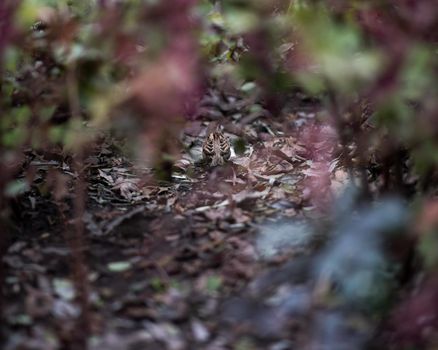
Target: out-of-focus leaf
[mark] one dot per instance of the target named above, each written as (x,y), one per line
(16,188)
(57,133)
(47,112)
(240,21)
(425,156)
(209,43)
(157,284)
(213,283)
(248,86)
(239,146)
(22,320)
(355,261)
(15,119)
(336,50)
(15,137)
(28,12)
(428,249)
(216,18)
(119,266)
(417,78)
(21,114)
(275,238)
(11,56)
(78,134)
(396,115)
(64,288)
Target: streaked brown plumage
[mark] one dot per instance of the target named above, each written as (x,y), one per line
(216,148)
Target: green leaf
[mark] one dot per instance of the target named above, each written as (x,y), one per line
(418,78)
(21,114)
(11,56)
(47,112)
(57,133)
(428,248)
(27,13)
(248,86)
(16,188)
(239,146)
(239,21)
(213,283)
(22,320)
(157,284)
(14,138)
(119,266)
(337,51)
(64,288)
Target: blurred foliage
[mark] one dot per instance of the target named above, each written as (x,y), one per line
(356,263)
(70,69)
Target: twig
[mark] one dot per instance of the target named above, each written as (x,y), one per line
(344,139)
(76,241)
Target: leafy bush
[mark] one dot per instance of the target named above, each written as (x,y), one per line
(71,71)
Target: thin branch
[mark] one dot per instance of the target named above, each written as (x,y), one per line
(76,241)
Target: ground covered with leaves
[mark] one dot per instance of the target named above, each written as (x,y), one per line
(319,232)
(177,264)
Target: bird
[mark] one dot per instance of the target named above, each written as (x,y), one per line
(216,148)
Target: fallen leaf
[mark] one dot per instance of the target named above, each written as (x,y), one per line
(119,266)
